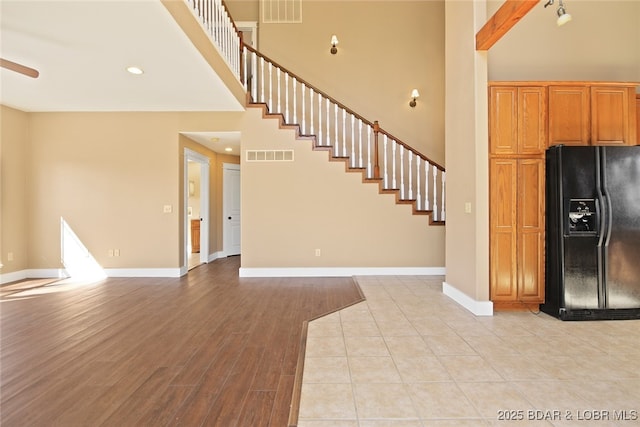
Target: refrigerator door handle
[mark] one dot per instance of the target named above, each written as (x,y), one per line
(603,240)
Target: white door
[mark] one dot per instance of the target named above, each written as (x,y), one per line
(231,210)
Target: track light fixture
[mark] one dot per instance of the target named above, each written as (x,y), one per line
(334,42)
(414,96)
(563,16)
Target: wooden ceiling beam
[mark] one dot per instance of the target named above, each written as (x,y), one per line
(502,21)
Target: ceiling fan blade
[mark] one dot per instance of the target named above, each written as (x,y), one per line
(19,68)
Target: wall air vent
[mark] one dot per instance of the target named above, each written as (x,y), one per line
(281,11)
(269,155)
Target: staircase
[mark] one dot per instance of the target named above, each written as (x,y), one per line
(347,137)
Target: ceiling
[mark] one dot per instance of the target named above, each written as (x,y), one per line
(82,49)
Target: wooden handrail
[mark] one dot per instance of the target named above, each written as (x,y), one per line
(345,108)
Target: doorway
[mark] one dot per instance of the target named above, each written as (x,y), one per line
(231,209)
(196,209)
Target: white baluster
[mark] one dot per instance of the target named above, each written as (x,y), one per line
(435,193)
(369,168)
(427,203)
(386,156)
(295,100)
(328,125)
(254,76)
(304,126)
(245,71)
(410,175)
(442,216)
(319,139)
(359,143)
(286,98)
(393,165)
(279,99)
(262,79)
(311,109)
(344,132)
(402,172)
(352,155)
(336,141)
(270,88)
(418,194)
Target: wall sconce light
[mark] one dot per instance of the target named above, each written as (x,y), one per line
(563,16)
(414,97)
(334,42)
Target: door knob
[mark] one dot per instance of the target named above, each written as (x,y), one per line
(229,217)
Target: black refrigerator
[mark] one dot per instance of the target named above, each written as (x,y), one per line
(592,265)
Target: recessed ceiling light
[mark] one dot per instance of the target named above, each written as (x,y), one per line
(215,139)
(135,70)
(228,149)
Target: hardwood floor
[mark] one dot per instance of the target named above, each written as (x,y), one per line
(207,349)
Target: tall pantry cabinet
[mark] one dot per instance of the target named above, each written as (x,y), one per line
(517,142)
(525,118)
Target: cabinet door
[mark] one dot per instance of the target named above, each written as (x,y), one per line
(503,120)
(530,230)
(612,115)
(502,199)
(569,115)
(532,120)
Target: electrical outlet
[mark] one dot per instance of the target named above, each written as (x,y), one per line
(318,252)
(10,256)
(110,252)
(467,207)
(167,209)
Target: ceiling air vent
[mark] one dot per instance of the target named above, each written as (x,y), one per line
(269,155)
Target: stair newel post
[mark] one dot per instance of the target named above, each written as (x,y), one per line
(376,166)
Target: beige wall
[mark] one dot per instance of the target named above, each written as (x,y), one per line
(14,140)
(289,209)
(466,132)
(602,42)
(109,175)
(386,49)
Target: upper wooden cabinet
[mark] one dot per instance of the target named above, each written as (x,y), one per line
(517,120)
(592,113)
(569,115)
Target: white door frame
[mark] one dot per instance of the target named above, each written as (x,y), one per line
(190,155)
(225,189)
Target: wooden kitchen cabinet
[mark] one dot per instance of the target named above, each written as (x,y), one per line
(569,115)
(517,120)
(516,232)
(592,113)
(613,115)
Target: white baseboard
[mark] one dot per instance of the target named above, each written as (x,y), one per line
(34,273)
(479,308)
(341,271)
(44,273)
(143,272)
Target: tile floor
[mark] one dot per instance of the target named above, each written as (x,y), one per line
(409,356)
